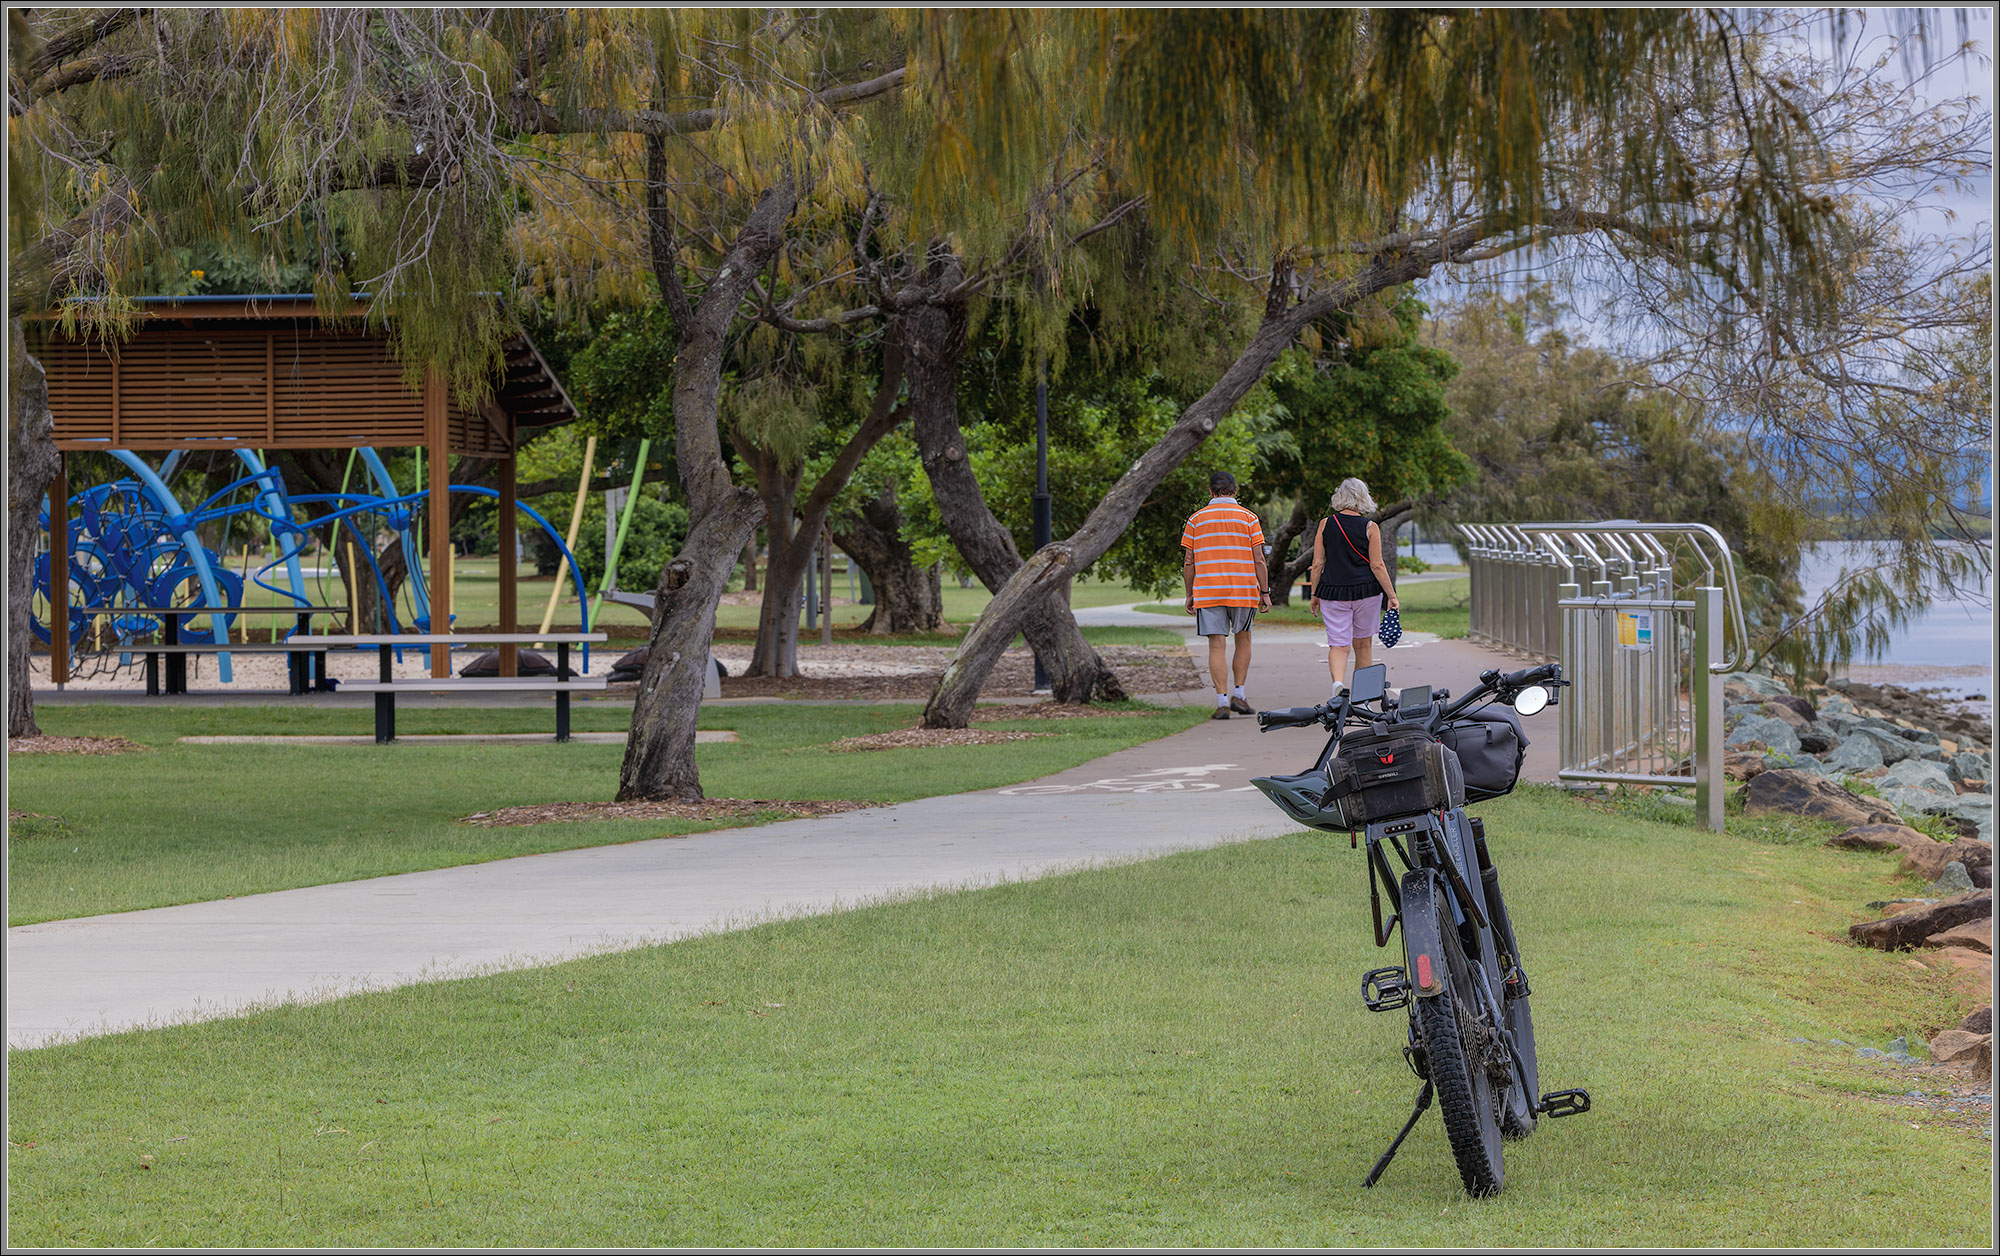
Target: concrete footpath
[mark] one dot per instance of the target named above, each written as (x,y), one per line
(101,974)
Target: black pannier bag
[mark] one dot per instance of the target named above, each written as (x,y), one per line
(1490,747)
(1382,776)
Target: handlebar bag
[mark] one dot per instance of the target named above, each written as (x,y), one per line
(1381,777)
(1491,748)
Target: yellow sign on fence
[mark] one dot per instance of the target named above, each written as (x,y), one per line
(1635,630)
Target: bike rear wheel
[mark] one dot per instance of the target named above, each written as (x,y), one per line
(1517,1114)
(1453,1038)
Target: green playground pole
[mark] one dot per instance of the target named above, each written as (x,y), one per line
(624,526)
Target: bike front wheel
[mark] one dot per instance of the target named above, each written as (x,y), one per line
(1455,1043)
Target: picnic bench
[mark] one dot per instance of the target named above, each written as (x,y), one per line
(385,690)
(305,665)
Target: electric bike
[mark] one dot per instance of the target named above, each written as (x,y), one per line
(1396,773)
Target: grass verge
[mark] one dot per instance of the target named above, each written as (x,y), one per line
(180,824)
(1166,1053)
(1439,606)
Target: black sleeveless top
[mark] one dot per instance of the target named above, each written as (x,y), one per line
(1345,575)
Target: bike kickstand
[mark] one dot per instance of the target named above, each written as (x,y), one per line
(1382,1165)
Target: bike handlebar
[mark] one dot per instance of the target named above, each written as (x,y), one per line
(1290,717)
(1492,684)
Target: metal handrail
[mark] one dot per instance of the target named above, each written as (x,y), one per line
(1711,563)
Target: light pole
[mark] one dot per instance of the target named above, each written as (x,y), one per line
(1044,506)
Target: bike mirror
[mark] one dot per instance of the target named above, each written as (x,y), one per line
(1369,684)
(1531,700)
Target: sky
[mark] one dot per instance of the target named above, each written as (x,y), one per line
(1954,216)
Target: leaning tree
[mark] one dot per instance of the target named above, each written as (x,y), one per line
(1328,157)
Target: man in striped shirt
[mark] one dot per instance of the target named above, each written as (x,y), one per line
(1222,565)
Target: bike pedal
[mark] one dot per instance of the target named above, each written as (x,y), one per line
(1561,1103)
(1385,989)
(1516,986)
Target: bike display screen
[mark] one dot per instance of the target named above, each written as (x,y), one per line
(1370,683)
(1414,697)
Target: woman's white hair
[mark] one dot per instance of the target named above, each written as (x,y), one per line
(1352,495)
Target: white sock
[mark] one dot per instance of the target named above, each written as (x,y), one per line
(1222,699)
(1238,693)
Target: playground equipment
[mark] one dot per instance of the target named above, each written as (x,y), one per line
(131,544)
(251,374)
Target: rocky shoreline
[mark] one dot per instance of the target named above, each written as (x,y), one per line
(1889,763)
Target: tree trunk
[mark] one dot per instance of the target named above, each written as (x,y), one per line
(936,343)
(908,598)
(1012,606)
(659,753)
(778,618)
(777,649)
(32,461)
(1390,519)
(1285,572)
(750,566)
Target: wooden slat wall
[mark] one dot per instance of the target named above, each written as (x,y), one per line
(205,387)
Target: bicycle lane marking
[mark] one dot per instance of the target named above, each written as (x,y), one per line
(1156,781)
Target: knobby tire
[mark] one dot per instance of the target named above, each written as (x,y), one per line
(1517,1115)
(1464,1093)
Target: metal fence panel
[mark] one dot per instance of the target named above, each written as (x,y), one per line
(1640,615)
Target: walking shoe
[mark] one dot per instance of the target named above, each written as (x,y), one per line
(1241,707)
(1221,713)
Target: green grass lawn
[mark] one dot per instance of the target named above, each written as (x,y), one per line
(1439,606)
(181,823)
(476,599)
(1166,1053)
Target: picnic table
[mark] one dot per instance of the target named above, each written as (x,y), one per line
(386,689)
(305,666)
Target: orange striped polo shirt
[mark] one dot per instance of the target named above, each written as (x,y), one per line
(1223,537)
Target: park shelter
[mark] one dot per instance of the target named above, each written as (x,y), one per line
(279,372)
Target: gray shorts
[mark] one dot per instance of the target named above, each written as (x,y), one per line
(1224,621)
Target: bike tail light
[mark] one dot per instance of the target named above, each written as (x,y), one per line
(1424,977)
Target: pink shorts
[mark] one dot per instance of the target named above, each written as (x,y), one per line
(1348,622)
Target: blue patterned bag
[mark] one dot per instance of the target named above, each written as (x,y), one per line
(1391,630)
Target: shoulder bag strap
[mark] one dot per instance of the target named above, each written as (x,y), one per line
(1350,540)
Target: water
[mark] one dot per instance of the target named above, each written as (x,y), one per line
(1947,649)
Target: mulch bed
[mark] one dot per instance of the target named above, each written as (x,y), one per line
(70,745)
(707,809)
(1047,711)
(842,671)
(905,738)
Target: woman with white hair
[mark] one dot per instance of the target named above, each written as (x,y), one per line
(1349,579)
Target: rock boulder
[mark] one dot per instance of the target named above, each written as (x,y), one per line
(1791,791)
(1976,935)
(1778,709)
(1795,704)
(1893,749)
(1960,1049)
(1910,928)
(1978,1022)
(1755,683)
(1919,774)
(1774,734)
(1857,753)
(1878,837)
(1966,766)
